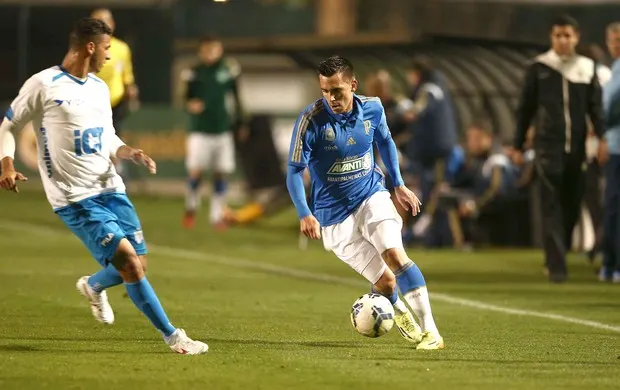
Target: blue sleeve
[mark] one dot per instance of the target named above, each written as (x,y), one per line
(387,150)
(299,154)
(295,185)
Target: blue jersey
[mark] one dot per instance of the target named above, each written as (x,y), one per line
(338,150)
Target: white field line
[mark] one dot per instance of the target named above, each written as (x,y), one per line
(320,277)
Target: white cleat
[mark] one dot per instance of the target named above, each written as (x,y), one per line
(99,305)
(180,343)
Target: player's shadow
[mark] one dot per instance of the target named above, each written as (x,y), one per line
(317,344)
(18,348)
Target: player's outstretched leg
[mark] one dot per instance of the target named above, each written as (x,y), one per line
(408,328)
(93,288)
(192,199)
(413,287)
(143,296)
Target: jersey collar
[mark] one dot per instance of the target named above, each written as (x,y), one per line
(352,115)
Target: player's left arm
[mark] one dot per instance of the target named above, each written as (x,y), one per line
(595,106)
(389,155)
(387,149)
(122,151)
(240,124)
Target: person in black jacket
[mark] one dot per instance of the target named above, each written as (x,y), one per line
(561,91)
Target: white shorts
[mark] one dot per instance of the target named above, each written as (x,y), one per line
(211,152)
(365,235)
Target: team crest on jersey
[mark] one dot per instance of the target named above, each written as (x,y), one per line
(330,135)
(367,126)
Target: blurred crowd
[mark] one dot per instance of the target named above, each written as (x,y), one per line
(472,191)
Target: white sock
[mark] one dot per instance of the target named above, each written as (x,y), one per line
(421,305)
(400,307)
(217,208)
(192,200)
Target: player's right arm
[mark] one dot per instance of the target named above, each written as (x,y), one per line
(526,109)
(193,104)
(22,110)
(299,154)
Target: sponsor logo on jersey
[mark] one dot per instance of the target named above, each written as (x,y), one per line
(351,141)
(351,166)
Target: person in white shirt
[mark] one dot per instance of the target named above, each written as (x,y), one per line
(70,111)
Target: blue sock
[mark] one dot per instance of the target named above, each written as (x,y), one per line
(393,298)
(107,277)
(219,186)
(143,296)
(193,184)
(409,277)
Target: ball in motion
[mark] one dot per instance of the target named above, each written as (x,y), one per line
(372,315)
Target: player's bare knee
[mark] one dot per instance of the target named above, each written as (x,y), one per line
(395,258)
(128,263)
(144,262)
(386,283)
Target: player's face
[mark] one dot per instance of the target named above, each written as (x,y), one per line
(564,39)
(478,142)
(99,53)
(413,78)
(211,52)
(613,43)
(338,91)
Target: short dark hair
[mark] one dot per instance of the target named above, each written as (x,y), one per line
(335,65)
(88,30)
(209,38)
(424,66)
(565,21)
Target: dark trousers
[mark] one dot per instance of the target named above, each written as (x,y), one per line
(611,258)
(560,190)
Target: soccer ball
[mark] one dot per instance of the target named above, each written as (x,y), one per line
(372,315)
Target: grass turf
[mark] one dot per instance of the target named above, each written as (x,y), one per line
(274,320)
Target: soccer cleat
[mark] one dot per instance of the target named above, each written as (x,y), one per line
(431,341)
(189,220)
(180,343)
(99,305)
(408,328)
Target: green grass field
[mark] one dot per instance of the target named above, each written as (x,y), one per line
(278,318)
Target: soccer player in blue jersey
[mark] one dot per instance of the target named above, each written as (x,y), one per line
(350,206)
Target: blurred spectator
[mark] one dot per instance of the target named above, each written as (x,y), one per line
(432,123)
(210,144)
(593,198)
(611,155)
(379,83)
(560,92)
(492,179)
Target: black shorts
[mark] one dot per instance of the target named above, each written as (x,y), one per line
(119,112)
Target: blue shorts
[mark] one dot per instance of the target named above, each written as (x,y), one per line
(101,222)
